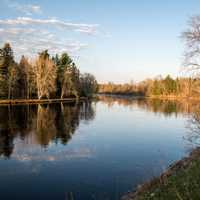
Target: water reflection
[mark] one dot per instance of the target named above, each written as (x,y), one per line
(91,150)
(43,124)
(57,123)
(157,106)
(183,107)
(193,126)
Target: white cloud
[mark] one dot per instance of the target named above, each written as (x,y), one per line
(27,9)
(29,36)
(24,21)
(31,41)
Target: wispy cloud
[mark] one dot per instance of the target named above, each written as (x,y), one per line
(31,41)
(27,9)
(29,36)
(79,27)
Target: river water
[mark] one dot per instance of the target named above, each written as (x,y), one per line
(90,151)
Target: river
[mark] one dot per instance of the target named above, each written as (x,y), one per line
(91,150)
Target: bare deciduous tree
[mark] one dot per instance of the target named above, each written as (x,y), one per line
(192,41)
(46,75)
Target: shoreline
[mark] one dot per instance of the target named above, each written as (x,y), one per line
(162,97)
(159,185)
(40,101)
(174,98)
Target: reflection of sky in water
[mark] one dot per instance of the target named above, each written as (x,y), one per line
(54,152)
(125,144)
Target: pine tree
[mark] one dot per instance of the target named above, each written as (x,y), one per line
(23,80)
(6,64)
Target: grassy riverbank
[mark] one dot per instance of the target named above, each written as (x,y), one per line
(181,181)
(35,101)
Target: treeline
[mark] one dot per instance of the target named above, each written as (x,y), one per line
(184,87)
(44,77)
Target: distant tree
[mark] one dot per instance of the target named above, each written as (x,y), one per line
(157,88)
(89,85)
(170,85)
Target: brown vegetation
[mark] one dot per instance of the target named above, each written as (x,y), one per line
(158,87)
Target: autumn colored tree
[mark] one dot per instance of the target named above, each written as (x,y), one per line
(45,75)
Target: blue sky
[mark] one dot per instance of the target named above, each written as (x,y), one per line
(116,40)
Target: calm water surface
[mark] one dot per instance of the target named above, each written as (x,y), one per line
(89,151)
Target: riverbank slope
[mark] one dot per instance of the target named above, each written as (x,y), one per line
(180,181)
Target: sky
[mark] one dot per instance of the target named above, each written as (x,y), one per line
(116,40)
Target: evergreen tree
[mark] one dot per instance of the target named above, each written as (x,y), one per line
(63,74)
(23,80)
(6,65)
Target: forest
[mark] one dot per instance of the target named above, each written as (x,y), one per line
(44,77)
(182,87)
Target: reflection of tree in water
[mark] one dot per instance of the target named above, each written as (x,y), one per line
(67,121)
(14,121)
(87,112)
(191,109)
(6,143)
(45,130)
(165,107)
(68,118)
(49,123)
(193,125)
(6,138)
